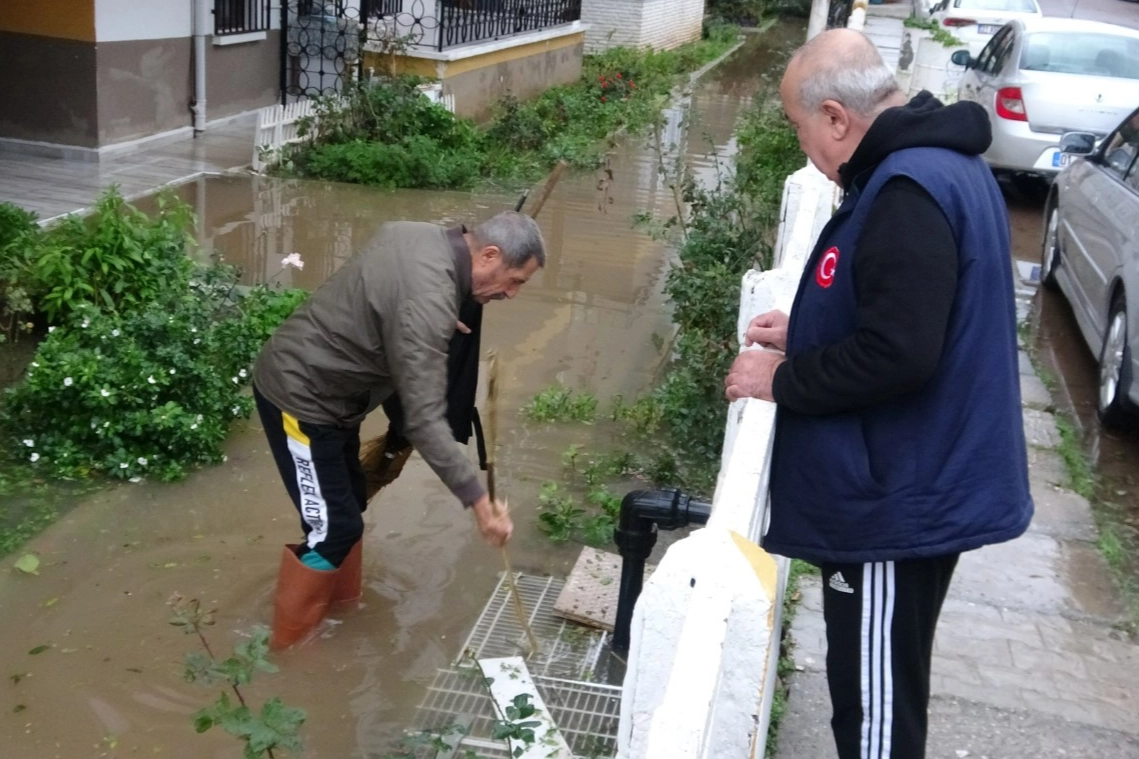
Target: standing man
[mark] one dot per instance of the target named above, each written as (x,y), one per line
(898,441)
(378,329)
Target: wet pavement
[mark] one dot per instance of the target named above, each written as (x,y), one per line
(109,682)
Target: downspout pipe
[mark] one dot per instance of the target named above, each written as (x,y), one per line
(643,512)
(202,12)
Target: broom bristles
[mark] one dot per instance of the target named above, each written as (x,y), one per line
(381,464)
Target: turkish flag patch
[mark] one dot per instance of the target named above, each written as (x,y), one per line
(824,273)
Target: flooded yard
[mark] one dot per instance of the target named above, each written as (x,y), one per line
(105,678)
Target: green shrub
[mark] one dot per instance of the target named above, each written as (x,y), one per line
(144,367)
(385,133)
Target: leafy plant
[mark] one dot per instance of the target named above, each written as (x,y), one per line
(517,726)
(560,517)
(274,725)
(560,404)
(144,377)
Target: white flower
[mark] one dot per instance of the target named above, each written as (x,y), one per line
(236,410)
(105,392)
(114,333)
(193,329)
(123,465)
(194,426)
(293,259)
(136,479)
(235,380)
(85,324)
(35,457)
(197,340)
(242,374)
(199,419)
(35,365)
(67,382)
(29,442)
(225,458)
(141,461)
(50,330)
(171,371)
(106,424)
(151,379)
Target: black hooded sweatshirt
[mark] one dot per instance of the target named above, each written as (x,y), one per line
(905,271)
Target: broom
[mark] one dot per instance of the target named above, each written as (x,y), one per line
(383,458)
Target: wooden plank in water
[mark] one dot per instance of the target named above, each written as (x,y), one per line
(509,678)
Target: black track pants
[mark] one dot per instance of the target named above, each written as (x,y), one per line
(880,620)
(320,467)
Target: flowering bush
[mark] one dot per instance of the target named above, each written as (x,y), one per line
(149,387)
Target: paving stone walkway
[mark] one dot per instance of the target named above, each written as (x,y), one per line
(55,186)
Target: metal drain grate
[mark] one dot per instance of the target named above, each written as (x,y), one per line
(585,712)
(569,650)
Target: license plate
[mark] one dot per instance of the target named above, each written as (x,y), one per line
(1060,160)
(988,28)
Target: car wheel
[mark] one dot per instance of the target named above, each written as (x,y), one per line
(1050,249)
(1115,368)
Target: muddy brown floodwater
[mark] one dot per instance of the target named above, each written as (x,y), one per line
(110,681)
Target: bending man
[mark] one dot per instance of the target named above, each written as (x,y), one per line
(378,328)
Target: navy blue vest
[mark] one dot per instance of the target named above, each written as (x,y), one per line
(938,471)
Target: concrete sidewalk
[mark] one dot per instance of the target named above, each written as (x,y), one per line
(55,186)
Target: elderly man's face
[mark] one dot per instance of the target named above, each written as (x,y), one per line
(821,133)
(492,280)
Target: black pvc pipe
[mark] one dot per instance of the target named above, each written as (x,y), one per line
(643,512)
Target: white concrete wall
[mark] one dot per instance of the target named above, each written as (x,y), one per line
(705,633)
(125,20)
(122,20)
(660,24)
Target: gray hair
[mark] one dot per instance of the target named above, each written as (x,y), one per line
(853,75)
(516,235)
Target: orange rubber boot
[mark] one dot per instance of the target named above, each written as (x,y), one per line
(301,600)
(349,576)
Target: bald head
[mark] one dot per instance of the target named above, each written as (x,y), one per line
(841,65)
(833,89)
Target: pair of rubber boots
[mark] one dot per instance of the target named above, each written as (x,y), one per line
(304,594)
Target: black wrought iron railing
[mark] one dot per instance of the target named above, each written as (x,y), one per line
(240,16)
(462,22)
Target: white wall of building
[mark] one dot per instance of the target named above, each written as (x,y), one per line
(661,24)
(124,20)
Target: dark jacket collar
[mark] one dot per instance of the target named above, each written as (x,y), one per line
(462,253)
(924,122)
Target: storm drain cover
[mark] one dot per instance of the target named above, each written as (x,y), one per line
(565,673)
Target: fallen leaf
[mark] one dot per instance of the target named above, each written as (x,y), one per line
(39,649)
(18,708)
(29,564)
(51,602)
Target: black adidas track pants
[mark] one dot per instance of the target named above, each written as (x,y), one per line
(880,620)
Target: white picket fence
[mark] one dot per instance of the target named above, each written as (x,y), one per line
(277,125)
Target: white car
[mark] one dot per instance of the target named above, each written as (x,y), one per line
(974,22)
(1039,78)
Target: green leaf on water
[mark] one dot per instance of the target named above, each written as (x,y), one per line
(29,564)
(39,649)
(18,708)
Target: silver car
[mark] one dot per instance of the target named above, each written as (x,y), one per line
(1091,253)
(974,22)
(1041,77)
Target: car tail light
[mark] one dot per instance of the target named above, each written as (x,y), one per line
(1010,104)
(958,22)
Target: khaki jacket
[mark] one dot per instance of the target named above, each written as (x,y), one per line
(380,325)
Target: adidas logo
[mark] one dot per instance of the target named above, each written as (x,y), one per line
(838,582)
